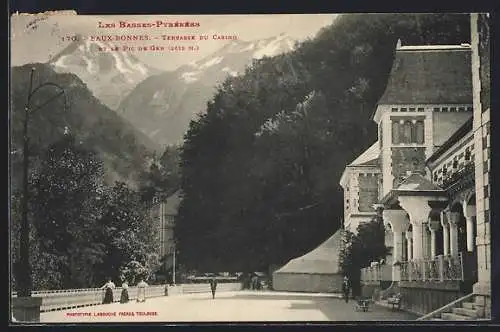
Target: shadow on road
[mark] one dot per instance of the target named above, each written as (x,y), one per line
(334,309)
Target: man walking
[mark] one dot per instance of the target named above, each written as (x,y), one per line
(213,287)
(346,288)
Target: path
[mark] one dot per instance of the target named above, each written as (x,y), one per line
(243,306)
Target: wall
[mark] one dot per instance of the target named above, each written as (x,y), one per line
(422,298)
(360,193)
(406,159)
(481,127)
(447,123)
(310,283)
(390,113)
(368,192)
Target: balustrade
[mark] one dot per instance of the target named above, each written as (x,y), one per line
(73,298)
(374,274)
(441,268)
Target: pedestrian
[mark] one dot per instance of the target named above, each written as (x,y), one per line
(346,288)
(254,282)
(108,294)
(124,297)
(141,290)
(213,287)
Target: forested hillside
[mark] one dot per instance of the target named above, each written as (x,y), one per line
(260,169)
(124,150)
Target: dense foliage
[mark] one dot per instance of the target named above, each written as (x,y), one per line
(122,148)
(83,231)
(362,248)
(260,168)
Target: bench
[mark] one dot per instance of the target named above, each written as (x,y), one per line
(362,305)
(395,301)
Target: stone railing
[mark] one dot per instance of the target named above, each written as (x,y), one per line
(74,298)
(375,274)
(442,268)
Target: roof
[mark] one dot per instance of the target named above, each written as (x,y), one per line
(413,185)
(322,260)
(436,74)
(367,158)
(454,138)
(371,154)
(416,182)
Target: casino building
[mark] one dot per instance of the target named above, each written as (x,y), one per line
(428,175)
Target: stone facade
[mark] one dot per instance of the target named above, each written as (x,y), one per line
(361,183)
(368,191)
(360,193)
(434,145)
(481,127)
(404,161)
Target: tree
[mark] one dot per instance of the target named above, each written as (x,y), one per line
(163,177)
(65,204)
(260,167)
(362,248)
(130,234)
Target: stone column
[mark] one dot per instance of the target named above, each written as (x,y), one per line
(26,309)
(470,216)
(446,234)
(418,209)
(433,227)
(417,243)
(399,223)
(409,247)
(426,241)
(470,233)
(481,169)
(453,218)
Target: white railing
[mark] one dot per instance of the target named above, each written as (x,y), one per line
(375,274)
(74,298)
(441,268)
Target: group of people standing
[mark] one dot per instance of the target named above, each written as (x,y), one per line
(124,297)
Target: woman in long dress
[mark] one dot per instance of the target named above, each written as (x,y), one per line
(141,291)
(108,295)
(124,297)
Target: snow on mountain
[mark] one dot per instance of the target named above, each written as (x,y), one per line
(211,62)
(232,58)
(110,75)
(162,105)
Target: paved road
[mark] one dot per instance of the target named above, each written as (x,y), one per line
(243,306)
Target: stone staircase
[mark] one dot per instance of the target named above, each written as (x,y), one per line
(470,307)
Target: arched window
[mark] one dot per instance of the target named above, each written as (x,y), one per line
(407,132)
(419,129)
(395,132)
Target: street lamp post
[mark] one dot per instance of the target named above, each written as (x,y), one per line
(173,272)
(24,278)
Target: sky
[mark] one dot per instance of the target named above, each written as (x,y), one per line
(37,38)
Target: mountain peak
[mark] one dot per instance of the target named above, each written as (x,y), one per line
(110,75)
(163,105)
